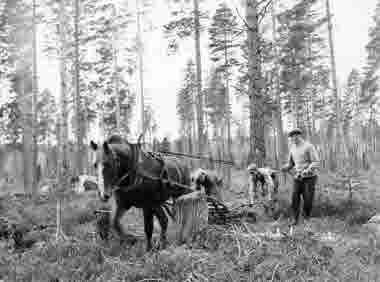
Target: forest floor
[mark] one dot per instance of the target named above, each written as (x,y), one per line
(336,244)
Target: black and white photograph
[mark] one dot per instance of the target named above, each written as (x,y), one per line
(189,140)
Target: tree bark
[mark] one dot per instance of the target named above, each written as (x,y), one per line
(78,109)
(281,144)
(34,103)
(27,135)
(340,143)
(116,77)
(141,68)
(256,115)
(201,136)
(63,149)
(228,106)
(62,134)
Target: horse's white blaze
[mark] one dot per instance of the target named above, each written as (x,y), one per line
(100,179)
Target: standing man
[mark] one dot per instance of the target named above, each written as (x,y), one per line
(304,159)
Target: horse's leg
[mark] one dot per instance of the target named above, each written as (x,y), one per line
(116,214)
(163,220)
(148,227)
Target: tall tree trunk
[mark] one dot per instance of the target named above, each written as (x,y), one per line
(117,92)
(101,117)
(27,135)
(332,58)
(141,67)
(78,109)
(311,93)
(62,165)
(281,144)
(340,143)
(201,137)
(116,76)
(297,92)
(228,106)
(195,144)
(34,104)
(256,115)
(85,127)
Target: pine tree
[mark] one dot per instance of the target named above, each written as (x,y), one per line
(222,32)
(301,57)
(186,106)
(16,23)
(109,71)
(350,101)
(184,25)
(370,84)
(255,84)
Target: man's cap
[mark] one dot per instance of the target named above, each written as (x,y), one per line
(295,131)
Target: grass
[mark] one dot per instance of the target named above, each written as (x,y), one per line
(333,246)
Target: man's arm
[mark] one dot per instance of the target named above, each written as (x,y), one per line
(290,164)
(314,158)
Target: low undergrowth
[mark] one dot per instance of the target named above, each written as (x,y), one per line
(333,246)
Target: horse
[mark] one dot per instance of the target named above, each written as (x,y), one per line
(209,181)
(134,178)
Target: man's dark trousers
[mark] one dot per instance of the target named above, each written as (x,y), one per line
(306,188)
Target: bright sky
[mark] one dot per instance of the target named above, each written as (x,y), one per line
(163,73)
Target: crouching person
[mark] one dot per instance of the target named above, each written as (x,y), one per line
(83,183)
(303,158)
(210,182)
(268,180)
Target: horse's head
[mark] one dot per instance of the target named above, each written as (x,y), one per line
(107,165)
(113,161)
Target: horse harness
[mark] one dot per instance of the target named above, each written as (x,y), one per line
(133,171)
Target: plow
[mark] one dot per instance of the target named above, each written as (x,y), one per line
(192,213)
(190,209)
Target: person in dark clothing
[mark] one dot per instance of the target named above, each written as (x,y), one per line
(303,158)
